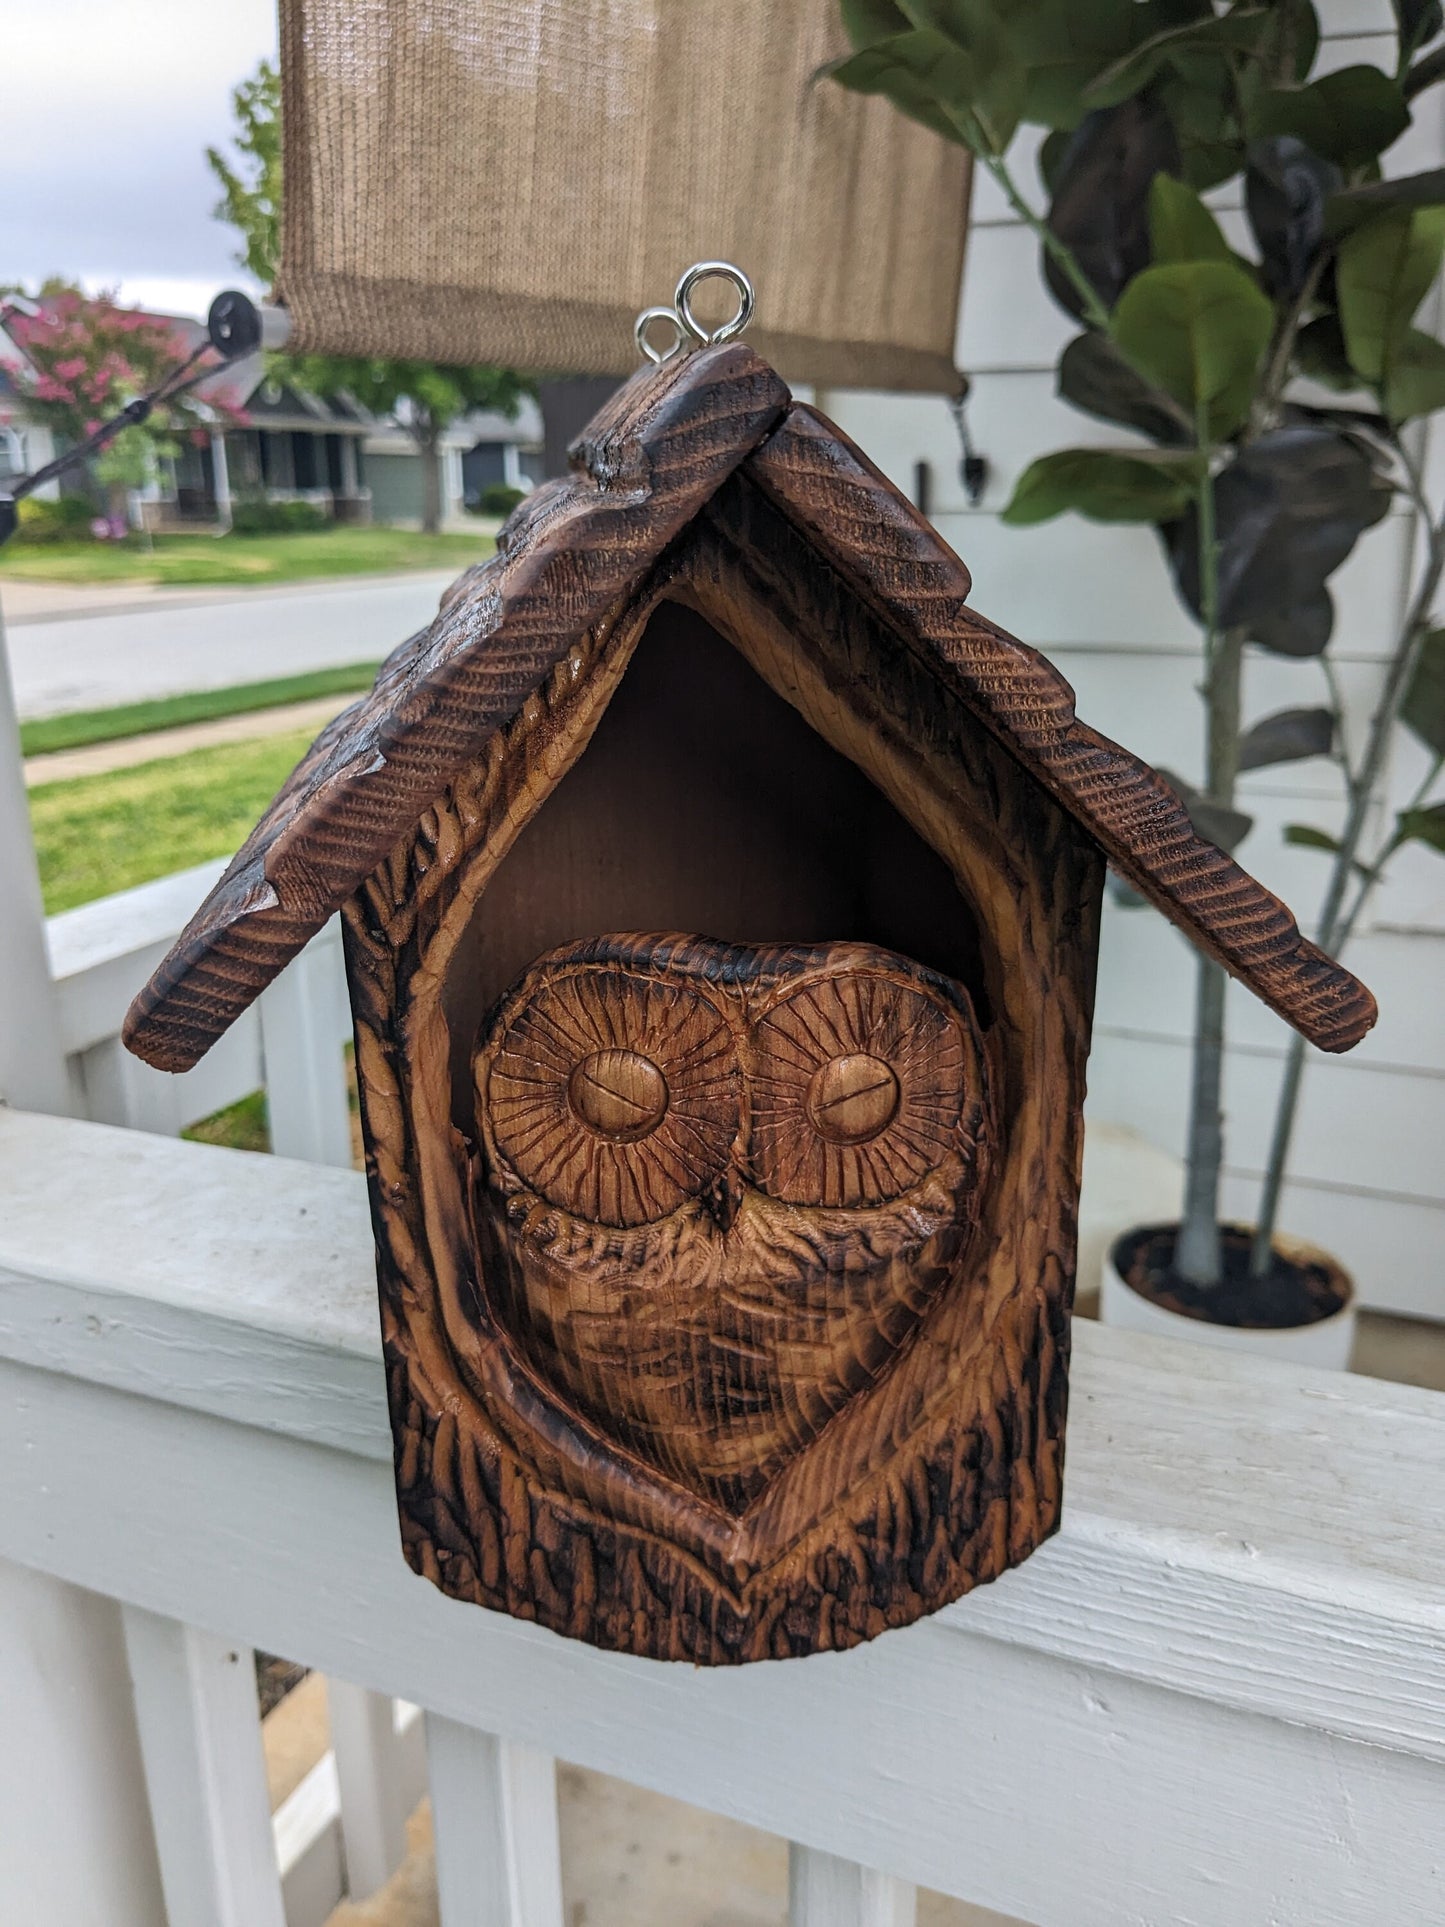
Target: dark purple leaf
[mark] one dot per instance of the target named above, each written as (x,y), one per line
(1285,191)
(1095,377)
(1289,736)
(1288,510)
(1218,824)
(1309,838)
(1101,197)
(1419,22)
(1303,630)
(1423,709)
(1422,826)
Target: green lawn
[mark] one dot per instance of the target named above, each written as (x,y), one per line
(245,561)
(84,726)
(97,834)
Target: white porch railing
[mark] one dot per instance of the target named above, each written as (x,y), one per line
(290,1043)
(1217,1697)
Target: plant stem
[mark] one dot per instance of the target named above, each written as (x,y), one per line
(1335,928)
(1197,1256)
(1095,313)
(1281,353)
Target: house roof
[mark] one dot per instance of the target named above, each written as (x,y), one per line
(573,553)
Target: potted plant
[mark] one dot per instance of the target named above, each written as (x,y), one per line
(1269,404)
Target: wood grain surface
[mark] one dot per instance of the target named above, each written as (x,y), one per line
(649,464)
(722,1185)
(725,1276)
(574,547)
(593,1488)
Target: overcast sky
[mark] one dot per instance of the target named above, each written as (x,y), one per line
(106,108)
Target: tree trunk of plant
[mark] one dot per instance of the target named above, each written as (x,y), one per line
(1197,1255)
(431,471)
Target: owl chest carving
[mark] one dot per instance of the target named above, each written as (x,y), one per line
(720,1186)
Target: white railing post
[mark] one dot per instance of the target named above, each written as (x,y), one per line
(301,1030)
(824,1891)
(32,1058)
(309,1117)
(200,1733)
(373,1799)
(494,1809)
(75,1837)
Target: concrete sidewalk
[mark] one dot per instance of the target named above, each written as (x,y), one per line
(24,602)
(94,759)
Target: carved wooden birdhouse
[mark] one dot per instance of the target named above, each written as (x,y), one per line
(721,905)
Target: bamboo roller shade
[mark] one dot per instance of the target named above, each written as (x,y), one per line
(512,180)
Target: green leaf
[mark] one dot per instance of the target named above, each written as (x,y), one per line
(866,22)
(1217,823)
(1063,45)
(1197,329)
(1422,826)
(1382,275)
(1104,484)
(1220,34)
(1350,116)
(1181,227)
(1320,354)
(1423,709)
(1308,838)
(915,71)
(976,28)
(1416,384)
(1197,91)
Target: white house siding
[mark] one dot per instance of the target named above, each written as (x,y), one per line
(1369,1175)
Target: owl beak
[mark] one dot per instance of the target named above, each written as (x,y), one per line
(724,1196)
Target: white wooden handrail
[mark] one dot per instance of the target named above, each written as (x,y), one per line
(1218,1695)
(290,1043)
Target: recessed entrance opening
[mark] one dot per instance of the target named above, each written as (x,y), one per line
(706,804)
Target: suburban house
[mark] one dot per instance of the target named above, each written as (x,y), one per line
(274,440)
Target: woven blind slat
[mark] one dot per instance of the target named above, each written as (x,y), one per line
(511,180)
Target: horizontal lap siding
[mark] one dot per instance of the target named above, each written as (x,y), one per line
(1368,1177)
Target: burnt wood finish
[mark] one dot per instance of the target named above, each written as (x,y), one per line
(725,1278)
(573,551)
(578,548)
(722,1183)
(561,1488)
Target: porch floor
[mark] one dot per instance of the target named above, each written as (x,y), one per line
(631,1858)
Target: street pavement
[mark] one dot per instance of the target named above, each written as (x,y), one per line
(69,651)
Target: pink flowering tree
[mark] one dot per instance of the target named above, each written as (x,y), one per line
(85,358)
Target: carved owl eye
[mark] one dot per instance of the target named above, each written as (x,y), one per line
(863,1084)
(613,1095)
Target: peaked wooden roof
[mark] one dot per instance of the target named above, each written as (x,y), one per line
(573,554)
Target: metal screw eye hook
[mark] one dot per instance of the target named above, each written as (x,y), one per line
(643,333)
(707,271)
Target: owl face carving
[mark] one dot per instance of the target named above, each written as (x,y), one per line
(721,1184)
